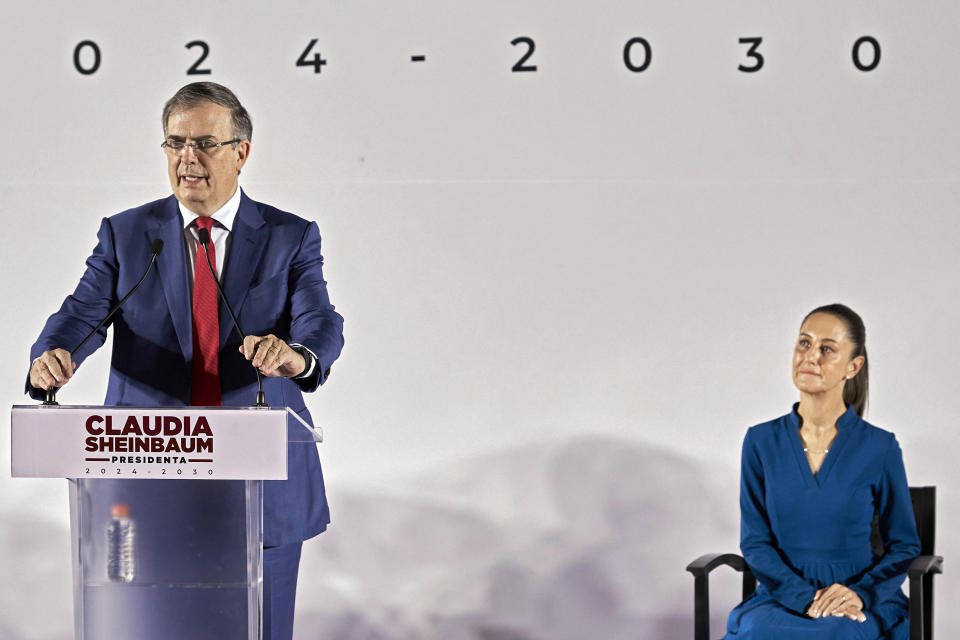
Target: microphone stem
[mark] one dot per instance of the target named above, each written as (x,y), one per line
(51,395)
(261,397)
(116,307)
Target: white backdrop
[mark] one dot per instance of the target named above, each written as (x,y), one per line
(567,292)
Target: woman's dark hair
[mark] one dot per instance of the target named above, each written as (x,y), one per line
(856,390)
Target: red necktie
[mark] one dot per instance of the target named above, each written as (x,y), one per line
(206,327)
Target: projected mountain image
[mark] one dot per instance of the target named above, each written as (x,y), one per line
(587,538)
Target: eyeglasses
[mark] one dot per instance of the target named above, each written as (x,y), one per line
(176,147)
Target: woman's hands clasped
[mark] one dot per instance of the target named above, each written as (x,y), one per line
(837,600)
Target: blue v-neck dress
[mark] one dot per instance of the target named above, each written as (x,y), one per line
(800,532)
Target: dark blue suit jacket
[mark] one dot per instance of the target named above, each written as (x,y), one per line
(273,278)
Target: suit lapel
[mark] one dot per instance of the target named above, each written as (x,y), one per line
(246,250)
(167,225)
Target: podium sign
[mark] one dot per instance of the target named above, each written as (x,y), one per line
(158,560)
(198,443)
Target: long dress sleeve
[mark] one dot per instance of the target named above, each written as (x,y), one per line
(897,528)
(757,541)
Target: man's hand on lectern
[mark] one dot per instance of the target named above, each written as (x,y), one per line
(52,369)
(272,356)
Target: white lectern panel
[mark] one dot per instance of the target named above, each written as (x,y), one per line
(201,443)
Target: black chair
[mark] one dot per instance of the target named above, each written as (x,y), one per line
(920,573)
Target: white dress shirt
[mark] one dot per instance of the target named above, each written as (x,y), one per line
(219,234)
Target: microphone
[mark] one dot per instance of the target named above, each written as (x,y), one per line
(155,250)
(204,236)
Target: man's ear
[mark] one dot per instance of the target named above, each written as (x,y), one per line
(243,152)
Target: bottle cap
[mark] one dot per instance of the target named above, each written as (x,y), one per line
(120,510)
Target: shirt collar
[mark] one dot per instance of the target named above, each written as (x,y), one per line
(224,216)
(848,418)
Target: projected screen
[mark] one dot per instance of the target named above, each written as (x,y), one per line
(553,229)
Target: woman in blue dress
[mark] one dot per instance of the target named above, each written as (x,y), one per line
(811,482)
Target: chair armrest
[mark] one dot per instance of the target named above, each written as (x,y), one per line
(922,565)
(710,561)
(701,568)
(921,573)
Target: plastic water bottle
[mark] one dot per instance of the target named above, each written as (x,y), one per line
(120,544)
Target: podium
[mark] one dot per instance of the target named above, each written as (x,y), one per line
(165,511)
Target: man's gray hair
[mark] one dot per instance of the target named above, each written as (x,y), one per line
(197,93)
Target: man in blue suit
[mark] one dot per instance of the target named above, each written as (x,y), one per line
(174,345)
